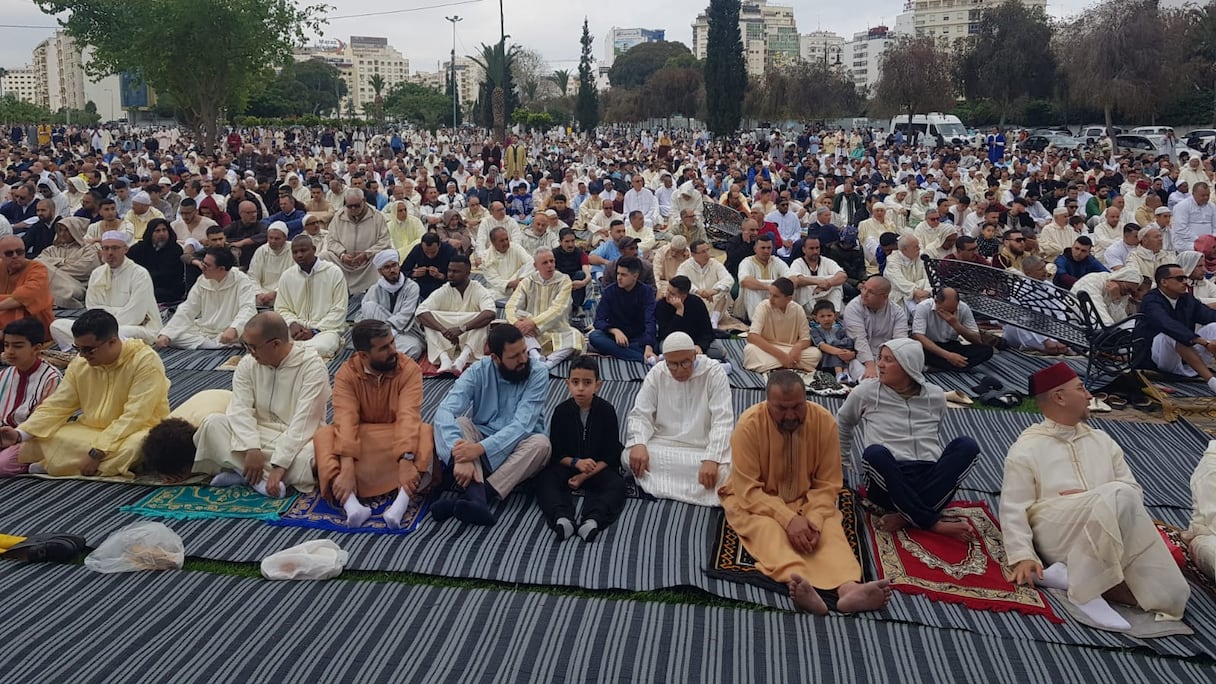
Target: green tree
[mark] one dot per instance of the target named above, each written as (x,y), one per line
(995,62)
(418,104)
(497,98)
(805,90)
(623,105)
(634,67)
(321,85)
(13,110)
(587,107)
(561,79)
(1111,56)
(725,71)
(277,95)
(916,77)
(160,41)
(377,83)
(673,91)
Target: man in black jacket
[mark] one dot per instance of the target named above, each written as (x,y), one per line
(1169,320)
(677,312)
(586,455)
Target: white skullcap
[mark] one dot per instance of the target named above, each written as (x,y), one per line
(1127,274)
(385,256)
(279,226)
(678,342)
(118,235)
(1162,210)
(141,197)
(1059,211)
(1145,230)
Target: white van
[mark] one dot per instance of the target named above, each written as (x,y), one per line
(934,123)
(1152,130)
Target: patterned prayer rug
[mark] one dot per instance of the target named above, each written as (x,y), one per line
(945,569)
(731,561)
(201,503)
(313,511)
(1182,555)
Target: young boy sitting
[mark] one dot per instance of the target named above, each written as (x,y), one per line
(828,335)
(168,451)
(24,384)
(587,450)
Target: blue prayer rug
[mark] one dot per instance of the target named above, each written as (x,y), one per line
(314,512)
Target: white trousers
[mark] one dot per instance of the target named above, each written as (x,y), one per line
(61,332)
(1165,353)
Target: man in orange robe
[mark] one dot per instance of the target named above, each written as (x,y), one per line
(781,499)
(25,286)
(378,441)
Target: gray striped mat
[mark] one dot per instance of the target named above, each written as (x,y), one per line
(196,627)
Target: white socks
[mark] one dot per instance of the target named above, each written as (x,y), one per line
(356,513)
(557,357)
(1212,385)
(726,367)
(396,511)
(714,318)
(37,469)
(462,360)
(589,530)
(445,362)
(260,488)
(1055,576)
(227,478)
(536,356)
(565,528)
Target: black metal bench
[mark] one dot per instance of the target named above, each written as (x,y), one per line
(721,223)
(1040,307)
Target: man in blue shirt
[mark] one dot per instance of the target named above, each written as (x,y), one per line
(490,431)
(290,214)
(1077,262)
(624,320)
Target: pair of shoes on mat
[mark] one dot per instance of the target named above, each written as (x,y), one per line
(49,548)
(824,384)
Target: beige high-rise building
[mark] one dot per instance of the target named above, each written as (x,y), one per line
(769,34)
(356,62)
(468,78)
(863,56)
(949,20)
(822,46)
(22,83)
(55,77)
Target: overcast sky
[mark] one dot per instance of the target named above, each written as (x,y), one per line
(552,27)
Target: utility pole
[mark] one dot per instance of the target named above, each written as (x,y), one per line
(452,71)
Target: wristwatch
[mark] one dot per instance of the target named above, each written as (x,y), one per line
(96,454)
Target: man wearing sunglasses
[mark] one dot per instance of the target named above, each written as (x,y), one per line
(1182,329)
(120,389)
(356,234)
(25,286)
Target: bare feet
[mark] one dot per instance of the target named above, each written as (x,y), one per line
(958,529)
(855,597)
(805,598)
(892,522)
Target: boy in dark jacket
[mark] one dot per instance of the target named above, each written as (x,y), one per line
(586,452)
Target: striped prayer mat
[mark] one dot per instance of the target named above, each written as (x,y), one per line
(740,377)
(196,627)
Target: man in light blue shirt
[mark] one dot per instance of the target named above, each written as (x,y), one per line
(490,431)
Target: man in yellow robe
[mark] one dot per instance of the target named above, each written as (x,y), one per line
(119,387)
(1069,499)
(781,499)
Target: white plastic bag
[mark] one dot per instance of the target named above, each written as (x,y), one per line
(143,545)
(313,560)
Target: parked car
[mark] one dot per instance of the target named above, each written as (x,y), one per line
(1152,130)
(1040,142)
(1155,145)
(1206,136)
(1059,130)
(1090,134)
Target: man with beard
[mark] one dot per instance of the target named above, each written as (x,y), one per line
(781,498)
(269,263)
(490,429)
(246,235)
(394,299)
(160,254)
(378,442)
(455,318)
(312,299)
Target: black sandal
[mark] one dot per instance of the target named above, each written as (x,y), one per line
(987,384)
(51,548)
(1001,399)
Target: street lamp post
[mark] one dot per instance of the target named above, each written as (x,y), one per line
(113,103)
(452,70)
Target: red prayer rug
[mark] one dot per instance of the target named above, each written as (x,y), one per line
(946,569)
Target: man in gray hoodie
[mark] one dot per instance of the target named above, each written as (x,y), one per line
(906,470)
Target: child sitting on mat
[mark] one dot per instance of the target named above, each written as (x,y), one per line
(586,455)
(828,335)
(24,383)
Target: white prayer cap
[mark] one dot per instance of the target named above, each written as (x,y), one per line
(141,197)
(119,235)
(279,226)
(1162,210)
(678,342)
(1127,274)
(1060,211)
(1145,230)
(385,256)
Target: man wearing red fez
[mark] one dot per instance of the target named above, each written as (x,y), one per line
(1070,501)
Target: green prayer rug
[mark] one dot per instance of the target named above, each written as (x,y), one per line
(203,503)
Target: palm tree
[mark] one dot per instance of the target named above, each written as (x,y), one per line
(561,79)
(377,82)
(497,67)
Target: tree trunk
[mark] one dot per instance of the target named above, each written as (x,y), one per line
(498,101)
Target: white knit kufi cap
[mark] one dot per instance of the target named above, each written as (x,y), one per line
(385,256)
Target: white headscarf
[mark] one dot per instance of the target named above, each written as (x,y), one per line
(387,256)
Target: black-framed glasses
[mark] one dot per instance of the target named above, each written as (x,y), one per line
(12,252)
(679,365)
(253,348)
(1178,278)
(353,206)
(88,351)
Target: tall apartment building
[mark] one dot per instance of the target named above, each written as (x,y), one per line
(949,20)
(468,78)
(621,40)
(54,79)
(822,46)
(356,62)
(863,56)
(769,33)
